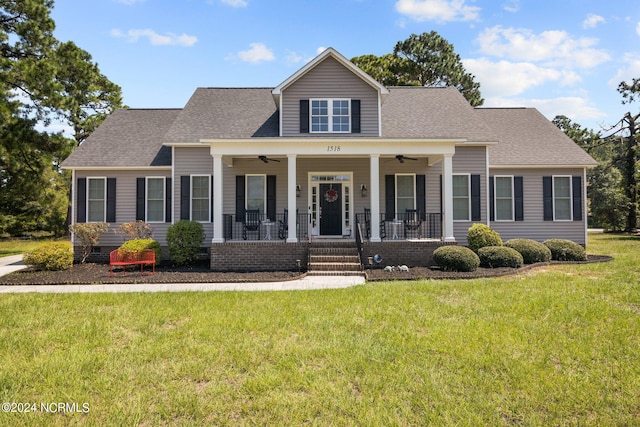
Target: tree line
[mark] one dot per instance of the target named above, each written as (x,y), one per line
(44,81)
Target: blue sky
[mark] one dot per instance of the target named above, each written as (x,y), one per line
(562,57)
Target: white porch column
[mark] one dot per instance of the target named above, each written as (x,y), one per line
(447,189)
(374,191)
(218,236)
(291,199)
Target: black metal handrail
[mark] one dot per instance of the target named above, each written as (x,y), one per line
(276,229)
(404,225)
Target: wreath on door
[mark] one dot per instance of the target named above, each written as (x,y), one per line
(331,195)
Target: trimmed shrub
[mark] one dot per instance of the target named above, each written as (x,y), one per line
(184,239)
(499,256)
(51,256)
(481,235)
(456,258)
(136,230)
(565,250)
(137,245)
(530,250)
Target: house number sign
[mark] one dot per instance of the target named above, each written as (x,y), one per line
(333,148)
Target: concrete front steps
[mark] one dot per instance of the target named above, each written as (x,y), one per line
(334,258)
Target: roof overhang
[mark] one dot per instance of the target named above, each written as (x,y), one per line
(277,92)
(546,166)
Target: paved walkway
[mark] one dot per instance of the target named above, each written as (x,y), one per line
(14,263)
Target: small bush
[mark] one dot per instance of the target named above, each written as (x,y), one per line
(499,256)
(184,239)
(89,234)
(137,245)
(565,250)
(51,256)
(136,230)
(481,235)
(456,258)
(530,250)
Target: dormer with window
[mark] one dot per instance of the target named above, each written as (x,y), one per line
(330,97)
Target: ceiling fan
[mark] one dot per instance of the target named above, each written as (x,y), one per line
(402,158)
(266,159)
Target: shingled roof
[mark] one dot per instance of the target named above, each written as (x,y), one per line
(439,113)
(127,138)
(527,138)
(225,113)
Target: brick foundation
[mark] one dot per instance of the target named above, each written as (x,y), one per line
(259,256)
(403,252)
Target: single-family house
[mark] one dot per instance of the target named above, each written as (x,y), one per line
(330,158)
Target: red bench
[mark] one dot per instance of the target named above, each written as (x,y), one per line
(121,258)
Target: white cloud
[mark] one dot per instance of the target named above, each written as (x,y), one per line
(154,38)
(512,6)
(638,28)
(574,107)
(258,53)
(592,21)
(504,78)
(235,3)
(437,10)
(630,71)
(555,48)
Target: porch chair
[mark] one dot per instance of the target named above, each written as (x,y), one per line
(251,222)
(412,222)
(367,225)
(283,225)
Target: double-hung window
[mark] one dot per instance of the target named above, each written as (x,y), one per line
(503,191)
(96,199)
(562,210)
(330,115)
(461,197)
(155,192)
(200,194)
(256,192)
(405,193)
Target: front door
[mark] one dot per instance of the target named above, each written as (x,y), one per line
(331,209)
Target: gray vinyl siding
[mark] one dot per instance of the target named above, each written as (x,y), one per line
(125,203)
(471,160)
(534,226)
(191,161)
(330,79)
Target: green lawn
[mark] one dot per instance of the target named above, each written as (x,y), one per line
(18,246)
(555,346)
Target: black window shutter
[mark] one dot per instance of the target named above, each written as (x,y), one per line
(140,198)
(211,200)
(547,197)
(390,197)
(185,197)
(304,116)
(168,208)
(577,198)
(421,195)
(239,198)
(111,200)
(81,200)
(492,198)
(475,198)
(441,198)
(355,116)
(271,197)
(518,192)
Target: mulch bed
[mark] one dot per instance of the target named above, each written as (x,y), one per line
(99,274)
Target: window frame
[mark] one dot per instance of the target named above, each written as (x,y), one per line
(247,178)
(330,115)
(413,185)
(467,197)
(192,198)
(146,198)
(104,199)
(554,197)
(512,197)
